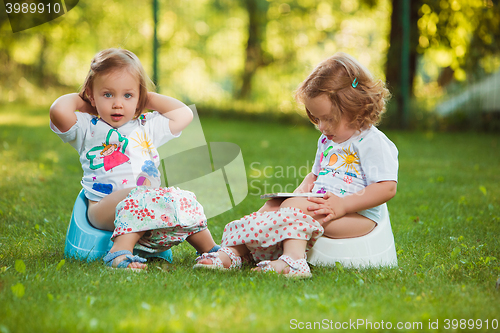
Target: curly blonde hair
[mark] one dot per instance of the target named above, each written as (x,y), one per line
(109,60)
(362,101)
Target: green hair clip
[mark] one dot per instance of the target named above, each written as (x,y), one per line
(355,82)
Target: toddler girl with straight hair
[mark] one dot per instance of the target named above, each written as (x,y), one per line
(355,167)
(117,143)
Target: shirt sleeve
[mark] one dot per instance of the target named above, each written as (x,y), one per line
(317,160)
(159,127)
(75,136)
(378,158)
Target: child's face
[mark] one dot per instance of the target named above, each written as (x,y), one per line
(115,96)
(321,108)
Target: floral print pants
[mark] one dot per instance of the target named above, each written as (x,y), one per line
(168,215)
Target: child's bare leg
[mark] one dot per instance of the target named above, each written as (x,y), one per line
(348,226)
(126,242)
(101,214)
(239,250)
(271,205)
(302,204)
(294,248)
(202,241)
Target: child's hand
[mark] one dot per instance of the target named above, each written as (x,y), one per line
(330,205)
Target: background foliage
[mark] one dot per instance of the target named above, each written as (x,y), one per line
(251,55)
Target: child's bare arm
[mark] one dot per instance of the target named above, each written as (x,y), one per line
(180,114)
(335,207)
(307,184)
(62,111)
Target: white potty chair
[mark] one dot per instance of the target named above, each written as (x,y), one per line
(376,249)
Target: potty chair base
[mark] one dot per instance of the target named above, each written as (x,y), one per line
(84,242)
(376,249)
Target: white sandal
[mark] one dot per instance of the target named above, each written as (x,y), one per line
(217,262)
(298,268)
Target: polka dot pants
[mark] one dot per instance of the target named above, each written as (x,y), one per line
(263,233)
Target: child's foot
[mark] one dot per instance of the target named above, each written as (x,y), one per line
(286,266)
(206,260)
(222,259)
(278,265)
(124,259)
(132,265)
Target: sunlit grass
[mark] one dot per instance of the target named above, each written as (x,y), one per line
(445,218)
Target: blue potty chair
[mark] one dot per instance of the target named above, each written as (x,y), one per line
(84,242)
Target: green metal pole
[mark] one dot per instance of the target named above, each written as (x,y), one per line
(405,63)
(155,45)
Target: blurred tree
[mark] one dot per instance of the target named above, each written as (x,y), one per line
(56,55)
(255,56)
(252,54)
(468,31)
(292,36)
(394,54)
(460,37)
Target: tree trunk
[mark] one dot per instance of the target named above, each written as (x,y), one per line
(257,13)
(393,65)
(41,72)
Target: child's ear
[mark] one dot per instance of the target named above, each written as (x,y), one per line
(89,94)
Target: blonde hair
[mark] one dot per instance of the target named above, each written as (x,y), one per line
(362,101)
(109,60)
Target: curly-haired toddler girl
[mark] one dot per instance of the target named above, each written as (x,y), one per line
(355,167)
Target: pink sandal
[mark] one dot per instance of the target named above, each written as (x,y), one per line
(217,262)
(298,268)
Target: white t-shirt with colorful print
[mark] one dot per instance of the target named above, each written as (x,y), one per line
(117,158)
(348,167)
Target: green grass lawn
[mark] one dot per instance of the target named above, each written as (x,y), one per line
(445,219)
